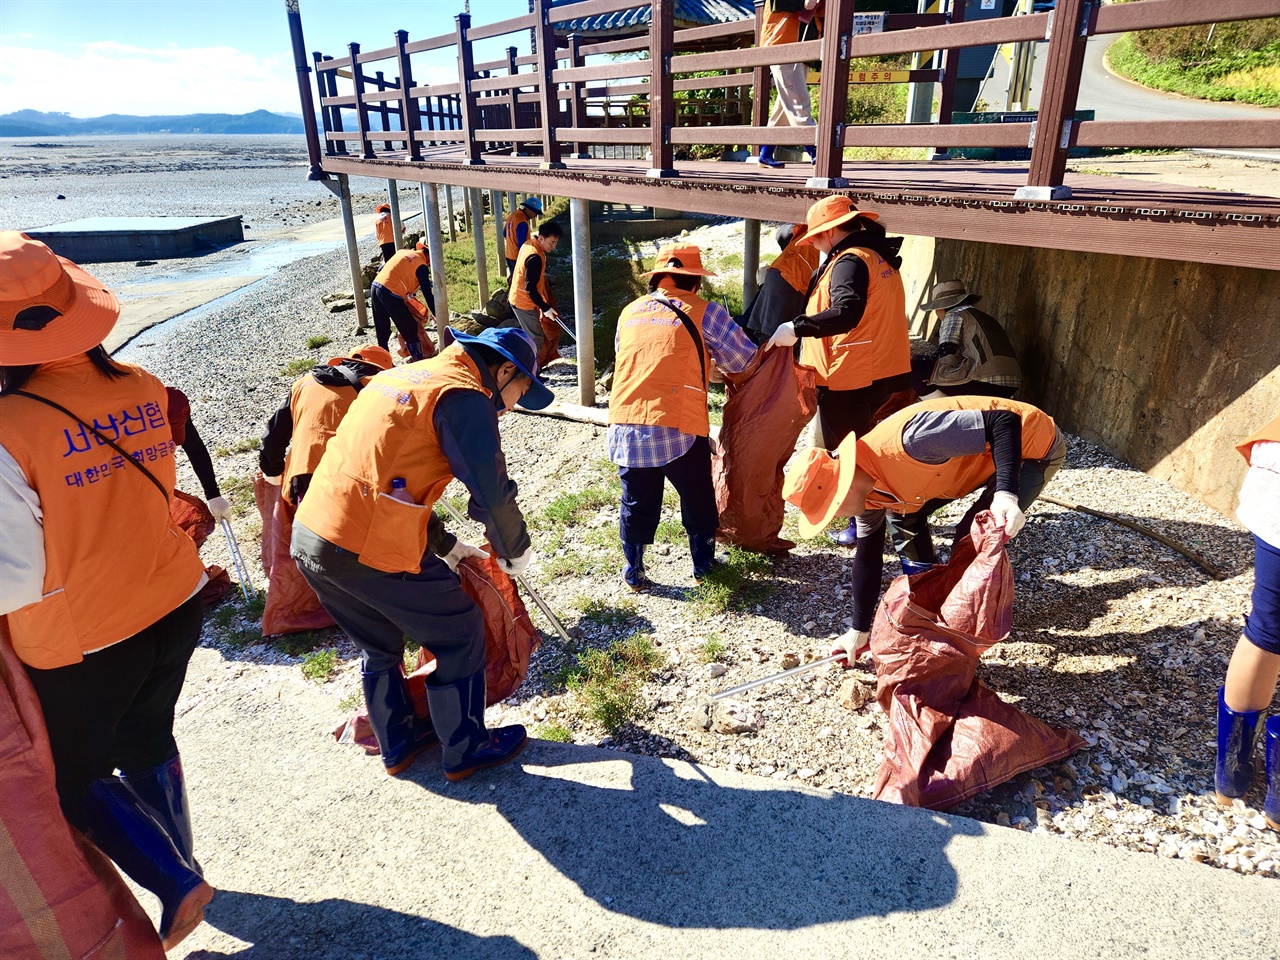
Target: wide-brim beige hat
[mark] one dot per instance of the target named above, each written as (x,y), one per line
(948,294)
(50,309)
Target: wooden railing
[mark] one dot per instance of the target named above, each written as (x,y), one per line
(549,100)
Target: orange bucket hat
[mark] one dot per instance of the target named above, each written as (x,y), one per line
(383,208)
(369,353)
(683,258)
(832,211)
(50,309)
(818,484)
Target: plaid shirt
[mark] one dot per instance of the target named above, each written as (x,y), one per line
(642,445)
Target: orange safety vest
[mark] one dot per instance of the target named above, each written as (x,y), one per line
(509,232)
(1270,432)
(384,229)
(317,410)
(400,273)
(904,484)
(115,562)
(658,377)
(797,262)
(781,26)
(389,432)
(519,296)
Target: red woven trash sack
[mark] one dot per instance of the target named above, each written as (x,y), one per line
(191,514)
(950,736)
(509,640)
(59,897)
(292,606)
(767,406)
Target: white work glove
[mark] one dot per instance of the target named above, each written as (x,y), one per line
(274,481)
(515,566)
(1004,507)
(461,550)
(220,508)
(784,336)
(853,643)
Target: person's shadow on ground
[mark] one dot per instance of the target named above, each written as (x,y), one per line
(673,847)
(281,929)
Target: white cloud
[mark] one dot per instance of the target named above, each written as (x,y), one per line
(92,79)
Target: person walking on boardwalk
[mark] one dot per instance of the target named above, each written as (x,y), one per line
(785,290)
(784,21)
(100,588)
(854,329)
(531,302)
(381,562)
(1255,664)
(385,231)
(974,355)
(912,464)
(658,421)
(395,293)
(518,229)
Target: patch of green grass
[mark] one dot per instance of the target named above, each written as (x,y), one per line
(351,702)
(302,644)
(410,655)
(239,493)
(297,367)
(670,531)
(1223,73)
(316,341)
(570,509)
(554,732)
(319,665)
(254,608)
(715,403)
(738,582)
(604,613)
(244,445)
(713,649)
(606,683)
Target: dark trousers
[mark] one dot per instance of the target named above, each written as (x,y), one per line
(842,412)
(430,607)
(114,709)
(690,474)
(388,251)
(388,309)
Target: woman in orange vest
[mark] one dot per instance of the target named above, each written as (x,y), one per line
(658,423)
(381,562)
(516,231)
(105,632)
(786,285)
(531,290)
(916,462)
(1255,665)
(854,331)
(385,231)
(399,281)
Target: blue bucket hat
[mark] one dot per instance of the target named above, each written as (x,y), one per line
(518,347)
(533,203)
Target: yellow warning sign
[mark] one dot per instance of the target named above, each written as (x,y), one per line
(869,76)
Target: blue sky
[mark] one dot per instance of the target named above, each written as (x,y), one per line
(92,57)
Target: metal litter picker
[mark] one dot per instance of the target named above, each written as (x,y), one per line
(237,560)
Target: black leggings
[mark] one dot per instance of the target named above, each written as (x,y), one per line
(114,709)
(841,412)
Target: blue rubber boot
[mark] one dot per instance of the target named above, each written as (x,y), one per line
(1271,806)
(164,790)
(633,572)
(767,159)
(400,733)
(1237,732)
(913,567)
(466,746)
(848,537)
(702,550)
(121,826)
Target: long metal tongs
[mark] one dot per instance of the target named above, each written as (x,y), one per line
(237,560)
(752,684)
(519,578)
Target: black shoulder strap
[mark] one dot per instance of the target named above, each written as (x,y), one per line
(111,443)
(693,332)
(349,375)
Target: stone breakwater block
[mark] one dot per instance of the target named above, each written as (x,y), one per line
(113,239)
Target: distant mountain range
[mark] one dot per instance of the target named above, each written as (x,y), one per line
(33,123)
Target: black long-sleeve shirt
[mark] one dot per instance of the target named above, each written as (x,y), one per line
(201,463)
(532,276)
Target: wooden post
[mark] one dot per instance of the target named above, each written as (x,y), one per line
(513,102)
(362,108)
(750,260)
(332,115)
(662,104)
(353,252)
(577,97)
(950,72)
(448,199)
(469,113)
(435,247)
(1053,127)
(477,235)
(408,104)
(384,111)
(546,40)
(466,210)
(761,83)
(306,104)
(495,204)
(833,104)
(397,225)
(583,308)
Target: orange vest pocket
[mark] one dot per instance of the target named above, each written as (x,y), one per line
(397,536)
(44,634)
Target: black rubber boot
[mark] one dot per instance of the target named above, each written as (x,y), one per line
(457,709)
(121,826)
(400,733)
(164,790)
(702,550)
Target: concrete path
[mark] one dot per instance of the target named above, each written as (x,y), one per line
(580,852)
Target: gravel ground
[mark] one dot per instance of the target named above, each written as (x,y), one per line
(1114,635)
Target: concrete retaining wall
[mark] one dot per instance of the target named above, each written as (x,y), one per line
(1167,365)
